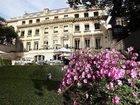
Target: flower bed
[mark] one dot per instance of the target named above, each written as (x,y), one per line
(107,78)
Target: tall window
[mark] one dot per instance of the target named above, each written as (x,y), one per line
(86,15)
(56,17)
(66,28)
(77,28)
(36,44)
(98,43)
(65,43)
(96,13)
(55,29)
(37,32)
(46,31)
(76,15)
(30,21)
(55,41)
(65,16)
(77,43)
(37,20)
(86,27)
(22,33)
(29,32)
(28,46)
(45,44)
(47,18)
(23,22)
(87,42)
(97,25)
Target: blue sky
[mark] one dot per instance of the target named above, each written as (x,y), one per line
(13,8)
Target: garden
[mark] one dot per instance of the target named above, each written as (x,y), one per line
(110,77)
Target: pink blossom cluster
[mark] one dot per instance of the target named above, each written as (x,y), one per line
(85,67)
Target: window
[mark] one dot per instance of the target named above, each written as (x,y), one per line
(120,22)
(66,28)
(39,58)
(30,21)
(46,31)
(65,16)
(98,43)
(22,33)
(55,29)
(45,44)
(77,43)
(87,43)
(37,32)
(65,43)
(23,22)
(36,45)
(47,18)
(86,27)
(55,42)
(56,17)
(37,20)
(28,46)
(96,13)
(29,32)
(97,25)
(77,28)
(85,14)
(76,15)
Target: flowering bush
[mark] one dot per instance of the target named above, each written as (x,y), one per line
(107,78)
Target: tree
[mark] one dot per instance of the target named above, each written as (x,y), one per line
(128,9)
(7,33)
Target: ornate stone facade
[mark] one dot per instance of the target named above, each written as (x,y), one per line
(45,31)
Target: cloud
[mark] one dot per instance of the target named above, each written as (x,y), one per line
(13,8)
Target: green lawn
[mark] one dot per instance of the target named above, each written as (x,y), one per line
(28,85)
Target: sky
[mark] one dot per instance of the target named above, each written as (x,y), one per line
(14,8)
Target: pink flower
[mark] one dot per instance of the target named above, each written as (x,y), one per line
(119,82)
(85,80)
(133,74)
(76,77)
(87,95)
(75,102)
(68,81)
(79,84)
(135,94)
(89,75)
(59,90)
(130,49)
(116,99)
(110,86)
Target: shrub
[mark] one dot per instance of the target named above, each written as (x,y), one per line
(29,85)
(5,62)
(107,78)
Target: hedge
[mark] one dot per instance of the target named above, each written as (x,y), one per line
(29,85)
(5,62)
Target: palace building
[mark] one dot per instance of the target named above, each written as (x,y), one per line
(42,33)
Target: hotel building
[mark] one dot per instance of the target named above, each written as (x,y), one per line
(42,33)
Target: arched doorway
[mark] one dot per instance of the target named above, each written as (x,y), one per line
(39,58)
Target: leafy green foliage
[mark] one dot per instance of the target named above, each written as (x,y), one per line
(5,62)
(7,33)
(128,9)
